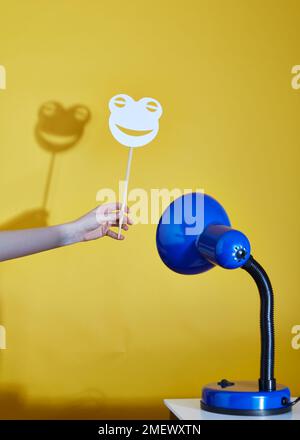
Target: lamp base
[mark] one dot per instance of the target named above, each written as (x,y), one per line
(244,398)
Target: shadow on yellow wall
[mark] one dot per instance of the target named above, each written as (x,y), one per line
(33,218)
(15,405)
(57,130)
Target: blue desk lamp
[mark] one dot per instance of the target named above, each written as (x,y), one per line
(217,244)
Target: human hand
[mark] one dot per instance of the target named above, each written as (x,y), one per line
(97,223)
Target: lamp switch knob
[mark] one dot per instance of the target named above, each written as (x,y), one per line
(224,383)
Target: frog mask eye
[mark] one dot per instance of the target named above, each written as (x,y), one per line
(152,106)
(119,102)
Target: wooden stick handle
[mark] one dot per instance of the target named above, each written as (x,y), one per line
(125,190)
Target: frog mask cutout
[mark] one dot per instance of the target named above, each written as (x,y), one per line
(134,123)
(59,128)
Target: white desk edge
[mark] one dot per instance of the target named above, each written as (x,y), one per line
(189,409)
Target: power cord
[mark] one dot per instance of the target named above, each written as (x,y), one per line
(294,401)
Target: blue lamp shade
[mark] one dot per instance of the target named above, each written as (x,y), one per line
(194,234)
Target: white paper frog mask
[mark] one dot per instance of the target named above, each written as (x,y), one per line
(134,123)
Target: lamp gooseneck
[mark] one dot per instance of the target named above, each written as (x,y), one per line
(267,382)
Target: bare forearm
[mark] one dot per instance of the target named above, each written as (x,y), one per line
(14,244)
(93,225)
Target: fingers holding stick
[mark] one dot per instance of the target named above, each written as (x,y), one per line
(125,226)
(114,235)
(116,217)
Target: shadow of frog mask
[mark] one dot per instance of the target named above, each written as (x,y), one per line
(59,128)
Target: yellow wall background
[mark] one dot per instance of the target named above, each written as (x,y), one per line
(104,329)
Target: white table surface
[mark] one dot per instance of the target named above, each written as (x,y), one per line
(189,409)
